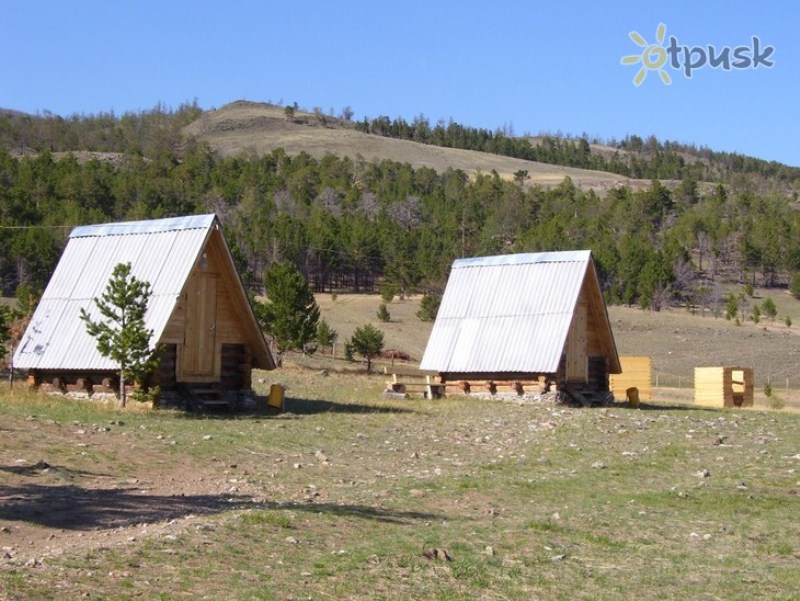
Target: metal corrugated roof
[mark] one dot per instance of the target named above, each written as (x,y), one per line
(508,313)
(162,252)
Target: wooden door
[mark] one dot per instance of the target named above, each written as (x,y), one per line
(577,359)
(200,340)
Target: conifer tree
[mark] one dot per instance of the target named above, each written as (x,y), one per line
(326,335)
(291,314)
(367,341)
(121,333)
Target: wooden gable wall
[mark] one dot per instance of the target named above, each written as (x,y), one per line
(228,326)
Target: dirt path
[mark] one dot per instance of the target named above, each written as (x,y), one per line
(105,490)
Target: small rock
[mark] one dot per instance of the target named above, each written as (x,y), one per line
(599,465)
(439,554)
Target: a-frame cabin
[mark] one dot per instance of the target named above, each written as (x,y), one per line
(524,320)
(199,311)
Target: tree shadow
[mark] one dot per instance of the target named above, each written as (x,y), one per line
(42,467)
(670,407)
(71,507)
(358,511)
(300,406)
(292,406)
(75,508)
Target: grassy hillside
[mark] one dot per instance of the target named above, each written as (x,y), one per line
(248,127)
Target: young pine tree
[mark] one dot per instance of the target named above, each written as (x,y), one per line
(291,314)
(429,307)
(367,341)
(326,335)
(120,332)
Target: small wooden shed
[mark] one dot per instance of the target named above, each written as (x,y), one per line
(535,320)
(723,386)
(198,310)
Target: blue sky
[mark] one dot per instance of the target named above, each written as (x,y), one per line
(536,66)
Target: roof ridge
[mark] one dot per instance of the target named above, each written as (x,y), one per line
(146,226)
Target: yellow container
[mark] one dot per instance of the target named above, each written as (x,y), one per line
(276,394)
(633,396)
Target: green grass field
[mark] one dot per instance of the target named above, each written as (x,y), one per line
(346,495)
(349,496)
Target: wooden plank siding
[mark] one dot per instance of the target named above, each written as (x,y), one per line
(577,361)
(726,386)
(199,346)
(637,372)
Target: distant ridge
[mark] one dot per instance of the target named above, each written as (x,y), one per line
(246,128)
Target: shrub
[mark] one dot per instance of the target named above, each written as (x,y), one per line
(388,291)
(383,312)
(731,306)
(769,309)
(326,335)
(429,307)
(794,285)
(776,402)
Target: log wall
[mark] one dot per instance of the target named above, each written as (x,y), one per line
(636,372)
(723,386)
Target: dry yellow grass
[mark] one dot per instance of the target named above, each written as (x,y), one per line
(258,128)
